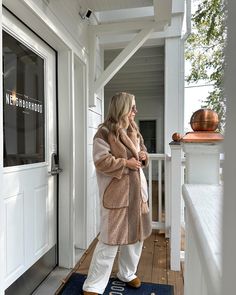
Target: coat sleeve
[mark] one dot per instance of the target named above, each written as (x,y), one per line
(105,162)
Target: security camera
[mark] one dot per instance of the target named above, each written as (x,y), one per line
(86,14)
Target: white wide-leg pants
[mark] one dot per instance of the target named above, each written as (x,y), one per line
(102,262)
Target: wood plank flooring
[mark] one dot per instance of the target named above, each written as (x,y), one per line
(154,263)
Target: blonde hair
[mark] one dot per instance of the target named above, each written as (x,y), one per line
(118,110)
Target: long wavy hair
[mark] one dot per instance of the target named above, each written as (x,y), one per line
(118,110)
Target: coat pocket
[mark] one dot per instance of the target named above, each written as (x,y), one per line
(116,194)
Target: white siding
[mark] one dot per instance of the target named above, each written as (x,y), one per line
(142,75)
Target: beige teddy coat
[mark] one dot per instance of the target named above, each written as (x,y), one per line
(123,191)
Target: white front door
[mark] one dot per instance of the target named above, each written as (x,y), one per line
(30,139)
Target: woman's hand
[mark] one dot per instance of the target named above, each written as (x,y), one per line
(142,156)
(133,164)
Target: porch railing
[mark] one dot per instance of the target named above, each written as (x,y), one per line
(166,173)
(165,176)
(156,175)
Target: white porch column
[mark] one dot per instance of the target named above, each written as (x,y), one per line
(202,163)
(174,88)
(202,167)
(175,204)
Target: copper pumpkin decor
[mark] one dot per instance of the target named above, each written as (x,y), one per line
(177,137)
(204,120)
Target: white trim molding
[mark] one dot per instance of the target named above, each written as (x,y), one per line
(2,228)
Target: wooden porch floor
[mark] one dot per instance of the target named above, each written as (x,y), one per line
(154,263)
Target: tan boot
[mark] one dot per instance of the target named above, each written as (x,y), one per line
(135,283)
(89,293)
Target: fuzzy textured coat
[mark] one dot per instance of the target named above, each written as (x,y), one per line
(125,218)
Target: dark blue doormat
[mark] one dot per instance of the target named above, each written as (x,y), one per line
(115,287)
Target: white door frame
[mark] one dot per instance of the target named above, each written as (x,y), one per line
(158,124)
(57,37)
(2,230)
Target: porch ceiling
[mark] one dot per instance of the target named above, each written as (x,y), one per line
(143,74)
(103,5)
(126,18)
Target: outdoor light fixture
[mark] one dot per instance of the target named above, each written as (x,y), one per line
(86,14)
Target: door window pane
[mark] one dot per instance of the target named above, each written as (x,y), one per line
(23,104)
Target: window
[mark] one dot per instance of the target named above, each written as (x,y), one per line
(148,131)
(23,104)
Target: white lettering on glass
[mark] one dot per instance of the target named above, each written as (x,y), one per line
(12,99)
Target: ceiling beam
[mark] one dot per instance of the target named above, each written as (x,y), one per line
(162,10)
(131,14)
(130,26)
(122,58)
(104,5)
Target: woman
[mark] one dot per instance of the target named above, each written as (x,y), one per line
(119,155)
